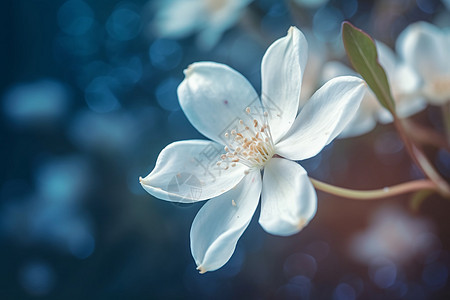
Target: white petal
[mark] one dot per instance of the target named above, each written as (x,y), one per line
(333,69)
(288,200)
(405,80)
(221,221)
(387,59)
(365,118)
(363,122)
(282,71)
(317,53)
(214,98)
(311,3)
(186,171)
(208,37)
(447,3)
(422,46)
(410,106)
(384,116)
(220,16)
(223,14)
(323,117)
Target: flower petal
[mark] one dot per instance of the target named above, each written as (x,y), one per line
(405,81)
(365,118)
(323,117)
(288,200)
(214,98)
(282,71)
(221,221)
(333,69)
(186,171)
(387,59)
(220,16)
(363,121)
(177,18)
(422,46)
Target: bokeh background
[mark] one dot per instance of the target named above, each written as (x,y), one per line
(88,100)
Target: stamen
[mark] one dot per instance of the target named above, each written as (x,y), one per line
(250,146)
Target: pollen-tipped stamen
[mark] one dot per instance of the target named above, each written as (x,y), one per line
(251,146)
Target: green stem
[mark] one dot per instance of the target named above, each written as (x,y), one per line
(402,188)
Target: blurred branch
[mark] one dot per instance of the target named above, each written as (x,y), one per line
(421,160)
(402,188)
(424,135)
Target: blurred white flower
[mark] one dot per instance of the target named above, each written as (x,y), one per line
(394,235)
(405,88)
(447,3)
(257,134)
(425,48)
(311,3)
(210,18)
(316,60)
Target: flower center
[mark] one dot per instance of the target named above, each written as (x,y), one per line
(249,145)
(215,5)
(439,88)
(442,86)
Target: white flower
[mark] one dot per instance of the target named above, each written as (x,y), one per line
(180,18)
(447,3)
(404,83)
(312,73)
(222,105)
(311,3)
(425,48)
(392,234)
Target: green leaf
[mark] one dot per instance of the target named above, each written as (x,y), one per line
(362,52)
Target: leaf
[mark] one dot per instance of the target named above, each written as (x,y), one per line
(362,52)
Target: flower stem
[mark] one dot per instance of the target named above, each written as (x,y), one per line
(421,160)
(402,188)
